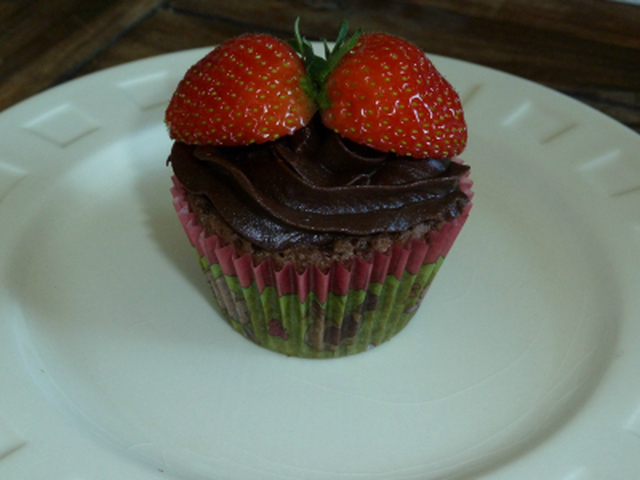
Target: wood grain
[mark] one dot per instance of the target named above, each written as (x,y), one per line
(587,49)
(543,41)
(46,42)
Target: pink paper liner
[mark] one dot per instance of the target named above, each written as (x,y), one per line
(339,279)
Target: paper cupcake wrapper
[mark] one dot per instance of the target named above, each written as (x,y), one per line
(316,314)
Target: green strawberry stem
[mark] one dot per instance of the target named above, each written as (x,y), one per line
(318,68)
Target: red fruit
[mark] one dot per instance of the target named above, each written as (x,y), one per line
(245,91)
(386,94)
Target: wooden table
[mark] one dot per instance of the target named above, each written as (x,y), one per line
(588,49)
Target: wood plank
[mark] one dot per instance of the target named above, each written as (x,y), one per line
(607,78)
(42,40)
(163,33)
(543,41)
(612,22)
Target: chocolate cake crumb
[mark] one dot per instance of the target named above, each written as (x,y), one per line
(344,249)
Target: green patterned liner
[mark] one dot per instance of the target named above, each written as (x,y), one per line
(341,325)
(314,314)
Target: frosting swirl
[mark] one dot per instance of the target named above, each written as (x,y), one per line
(315,185)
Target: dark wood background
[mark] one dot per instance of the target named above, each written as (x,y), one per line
(588,49)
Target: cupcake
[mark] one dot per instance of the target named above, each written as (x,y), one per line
(321,194)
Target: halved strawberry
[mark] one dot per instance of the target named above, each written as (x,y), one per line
(245,91)
(386,94)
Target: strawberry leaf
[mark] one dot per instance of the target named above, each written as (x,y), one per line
(318,68)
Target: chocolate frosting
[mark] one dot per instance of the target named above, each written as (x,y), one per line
(314,186)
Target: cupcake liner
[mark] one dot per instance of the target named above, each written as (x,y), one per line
(316,314)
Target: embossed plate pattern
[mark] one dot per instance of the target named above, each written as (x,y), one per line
(522,363)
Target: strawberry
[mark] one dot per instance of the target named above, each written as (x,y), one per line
(386,94)
(245,91)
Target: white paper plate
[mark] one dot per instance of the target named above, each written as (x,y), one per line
(522,363)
